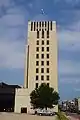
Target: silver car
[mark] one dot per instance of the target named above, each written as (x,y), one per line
(44,112)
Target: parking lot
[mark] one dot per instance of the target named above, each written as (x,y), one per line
(13,116)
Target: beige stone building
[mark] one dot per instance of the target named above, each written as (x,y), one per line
(40,62)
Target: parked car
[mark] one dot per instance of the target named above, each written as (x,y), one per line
(45,112)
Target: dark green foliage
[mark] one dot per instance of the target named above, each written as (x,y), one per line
(44,97)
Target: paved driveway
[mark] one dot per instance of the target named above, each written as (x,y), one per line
(13,116)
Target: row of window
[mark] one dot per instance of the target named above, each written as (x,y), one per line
(42,70)
(38,35)
(42,63)
(47,49)
(36,25)
(47,42)
(38,85)
(42,56)
(42,77)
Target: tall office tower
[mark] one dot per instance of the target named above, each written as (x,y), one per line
(40,60)
(41,57)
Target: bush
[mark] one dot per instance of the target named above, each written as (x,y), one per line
(44,97)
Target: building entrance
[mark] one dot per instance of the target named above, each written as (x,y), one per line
(24,110)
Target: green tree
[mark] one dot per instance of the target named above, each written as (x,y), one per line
(44,97)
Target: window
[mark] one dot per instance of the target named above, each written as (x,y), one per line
(37,34)
(47,77)
(42,62)
(42,33)
(48,84)
(37,63)
(37,70)
(47,42)
(42,48)
(51,25)
(37,55)
(47,49)
(36,85)
(37,49)
(42,42)
(37,24)
(47,55)
(48,25)
(45,24)
(47,62)
(31,26)
(48,34)
(42,70)
(37,42)
(42,24)
(42,77)
(36,77)
(42,55)
(34,26)
(47,70)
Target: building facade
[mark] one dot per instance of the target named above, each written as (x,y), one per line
(40,61)
(7,97)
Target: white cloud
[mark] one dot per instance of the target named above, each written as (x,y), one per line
(77,89)
(69,67)
(72,1)
(70,81)
(30,5)
(75,26)
(13,20)
(10,54)
(68,1)
(41,17)
(14,10)
(69,39)
(5,3)
(12,28)
(14,17)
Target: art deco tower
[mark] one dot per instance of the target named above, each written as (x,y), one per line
(41,56)
(40,62)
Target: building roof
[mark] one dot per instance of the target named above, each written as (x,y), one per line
(2,84)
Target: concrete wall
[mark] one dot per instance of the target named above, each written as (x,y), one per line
(22,100)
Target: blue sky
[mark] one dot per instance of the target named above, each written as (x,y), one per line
(14,15)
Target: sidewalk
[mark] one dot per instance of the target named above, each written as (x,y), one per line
(72,118)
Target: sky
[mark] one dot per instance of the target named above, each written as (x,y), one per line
(14,16)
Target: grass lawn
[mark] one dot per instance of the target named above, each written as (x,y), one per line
(61,116)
